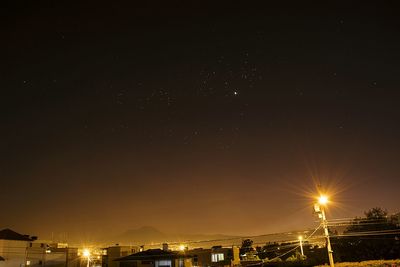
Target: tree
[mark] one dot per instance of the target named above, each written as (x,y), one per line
(247,252)
(376,213)
(368,238)
(296,257)
(247,245)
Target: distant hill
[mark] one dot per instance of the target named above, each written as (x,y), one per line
(148,235)
(141,235)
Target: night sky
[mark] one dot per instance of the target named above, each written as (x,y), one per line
(196,117)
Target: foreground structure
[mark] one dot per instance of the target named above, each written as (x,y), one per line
(17,250)
(215,257)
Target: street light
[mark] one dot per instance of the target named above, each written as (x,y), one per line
(323,200)
(86,254)
(319,208)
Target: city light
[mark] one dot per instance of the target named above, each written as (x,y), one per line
(301,245)
(86,253)
(181,247)
(323,200)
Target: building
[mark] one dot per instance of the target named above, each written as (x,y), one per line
(156,258)
(110,254)
(35,253)
(18,250)
(217,256)
(14,249)
(62,256)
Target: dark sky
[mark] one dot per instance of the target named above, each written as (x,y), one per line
(196,118)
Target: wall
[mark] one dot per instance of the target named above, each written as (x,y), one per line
(14,252)
(153,263)
(203,256)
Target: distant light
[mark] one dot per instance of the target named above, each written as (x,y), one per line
(300,237)
(86,253)
(182,247)
(323,200)
(235,93)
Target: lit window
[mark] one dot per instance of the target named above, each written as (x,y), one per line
(28,263)
(163,263)
(216,257)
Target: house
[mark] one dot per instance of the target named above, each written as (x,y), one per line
(14,249)
(60,256)
(110,254)
(217,256)
(156,258)
(35,253)
(18,250)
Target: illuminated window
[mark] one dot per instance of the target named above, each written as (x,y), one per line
(28,262)
(163,263)
(216,257)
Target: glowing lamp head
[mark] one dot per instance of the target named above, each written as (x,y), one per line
(86,253)
(300,237)
(323,200)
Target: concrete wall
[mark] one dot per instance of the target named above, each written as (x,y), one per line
(20,253)
(36,254)
(14,252)
(63,257)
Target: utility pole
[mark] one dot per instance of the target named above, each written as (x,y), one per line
(328,241)
(319,208)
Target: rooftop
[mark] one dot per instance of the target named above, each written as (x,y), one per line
(153,254)
(8,234)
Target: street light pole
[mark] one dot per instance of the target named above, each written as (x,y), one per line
(328,241)
(319,208)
